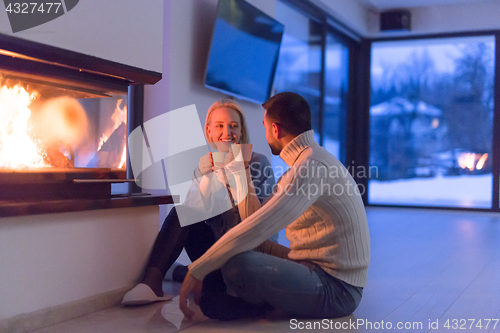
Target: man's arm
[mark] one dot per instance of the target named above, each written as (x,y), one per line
(244,193)
(259,181)
(293,197)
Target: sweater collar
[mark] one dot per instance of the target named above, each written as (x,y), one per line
(294,148)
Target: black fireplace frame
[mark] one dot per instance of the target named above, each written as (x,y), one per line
(49,61)
(38,62)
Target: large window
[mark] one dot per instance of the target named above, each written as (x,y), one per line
(335,105)
(431,122)
(313,62)
(428,137)
(299,65)
(299,62)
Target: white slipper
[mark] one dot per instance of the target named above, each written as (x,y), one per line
(142,294)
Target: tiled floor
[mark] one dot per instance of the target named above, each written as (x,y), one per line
(428,267)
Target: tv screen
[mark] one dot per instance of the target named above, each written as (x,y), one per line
(244,51)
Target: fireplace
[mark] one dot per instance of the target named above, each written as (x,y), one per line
(60,224)
(64,123)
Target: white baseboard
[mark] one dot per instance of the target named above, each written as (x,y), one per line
(53,315)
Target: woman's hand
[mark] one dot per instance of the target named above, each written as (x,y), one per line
(190,285)
(222,177)
(232,165)
(229,157)
(206,164)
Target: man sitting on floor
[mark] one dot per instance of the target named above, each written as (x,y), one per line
(323,273)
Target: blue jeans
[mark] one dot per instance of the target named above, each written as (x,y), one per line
(299,288)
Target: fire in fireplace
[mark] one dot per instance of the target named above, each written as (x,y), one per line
(40,130)
(64,121)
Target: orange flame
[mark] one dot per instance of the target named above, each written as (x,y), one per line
(118,117)
(17,149)
(481,162)
(124,158)
(468,161)
(103,139)
(120,114)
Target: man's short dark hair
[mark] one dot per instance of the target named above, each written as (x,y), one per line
(290,110)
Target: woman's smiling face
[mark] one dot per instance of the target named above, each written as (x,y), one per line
(224,128)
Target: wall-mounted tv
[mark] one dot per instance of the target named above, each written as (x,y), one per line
(244,51)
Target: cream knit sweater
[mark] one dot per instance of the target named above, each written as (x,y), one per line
(318,203)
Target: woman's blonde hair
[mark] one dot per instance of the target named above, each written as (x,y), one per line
(230,104)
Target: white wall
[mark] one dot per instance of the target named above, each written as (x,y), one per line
(464,17)
(53,259)
(445,19)
(187,34)
(351,13)
(449,18)
(125,31)
(191,27)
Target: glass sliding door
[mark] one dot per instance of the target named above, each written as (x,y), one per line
(314,63)
(431,122)
(335,104)
(299,65)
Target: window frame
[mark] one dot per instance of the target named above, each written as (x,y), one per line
(496,115)
(357,138)
(352,41)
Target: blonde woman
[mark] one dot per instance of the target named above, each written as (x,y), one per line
(224,125)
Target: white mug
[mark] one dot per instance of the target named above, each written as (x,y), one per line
(242,152)
(218,157)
